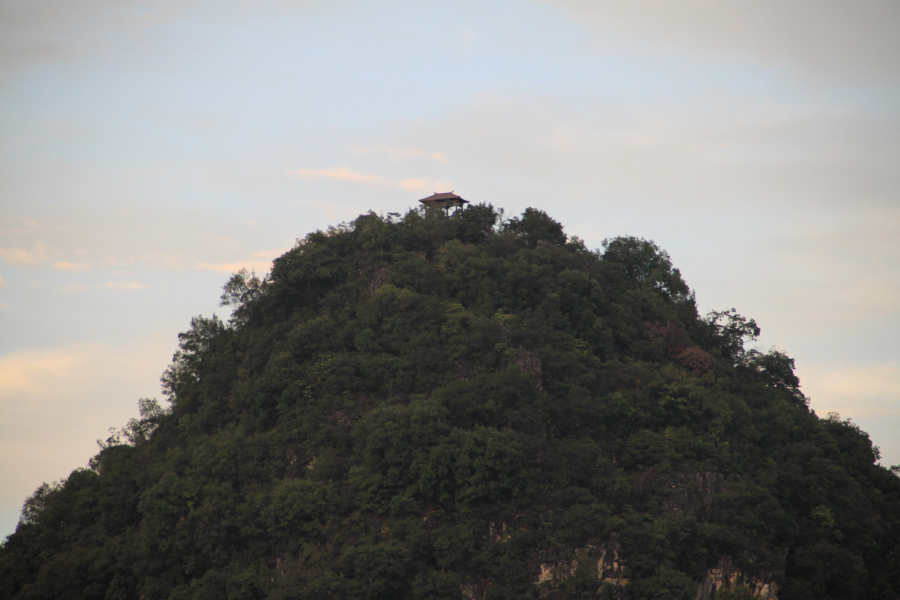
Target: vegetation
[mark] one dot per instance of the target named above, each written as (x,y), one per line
(437,407)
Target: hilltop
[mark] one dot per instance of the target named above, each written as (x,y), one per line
(434,406)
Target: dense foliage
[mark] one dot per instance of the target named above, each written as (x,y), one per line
(434,407)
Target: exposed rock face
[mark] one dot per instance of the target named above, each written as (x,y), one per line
(604,559)
(694,493)
(560,571)
(530,364)
(498,532)
(610,569)
(726,576)
(374,279)
(609,566)
(471,591)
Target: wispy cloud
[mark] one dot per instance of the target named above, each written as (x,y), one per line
(865,393)
(21,256)
(330,209)
(857,389)
(114,285)
(17,256)
(109,285)
(423,185)
(342,173)
(259,266)
(70,266)
(31,371)
(403,154)
(339,173)
(13,224)
(830,37)
(57,401)
(259,262)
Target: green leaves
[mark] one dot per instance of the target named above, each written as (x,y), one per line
(417,406)
(297,508)
(535,227)
(474,470)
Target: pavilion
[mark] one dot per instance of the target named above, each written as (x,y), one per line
(443,200)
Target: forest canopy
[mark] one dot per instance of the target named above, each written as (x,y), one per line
(446,406)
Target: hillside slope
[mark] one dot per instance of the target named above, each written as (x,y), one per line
(432,407)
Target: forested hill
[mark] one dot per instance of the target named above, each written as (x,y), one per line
(445,407)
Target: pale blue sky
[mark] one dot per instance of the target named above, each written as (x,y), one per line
(149,149)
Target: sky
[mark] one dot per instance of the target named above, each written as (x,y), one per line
(150,149)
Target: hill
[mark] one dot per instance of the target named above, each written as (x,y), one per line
(435,407)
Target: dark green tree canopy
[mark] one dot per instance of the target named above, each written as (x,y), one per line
(430,406)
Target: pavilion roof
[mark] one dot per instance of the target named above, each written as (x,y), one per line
(444,197)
